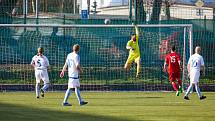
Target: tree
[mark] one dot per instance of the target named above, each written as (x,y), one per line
(155,17)
(141,14)
(44,5)
(6,8)
(167,11)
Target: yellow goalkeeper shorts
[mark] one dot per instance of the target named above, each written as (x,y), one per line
(132,58)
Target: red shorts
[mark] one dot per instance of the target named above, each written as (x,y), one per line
(173,76)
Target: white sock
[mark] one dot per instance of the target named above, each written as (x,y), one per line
(189,89)
(45,87)
(67,94)
(37,89)
(198,90)
(78,94)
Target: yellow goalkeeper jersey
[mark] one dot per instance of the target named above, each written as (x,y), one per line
(134,45)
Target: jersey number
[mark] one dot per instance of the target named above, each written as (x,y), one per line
(172,59)
(194,63)
(39,63)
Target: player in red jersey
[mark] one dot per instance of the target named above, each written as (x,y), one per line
(172,60)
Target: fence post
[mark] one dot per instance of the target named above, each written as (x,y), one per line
(25,11)
(135,11)
(205,23)
(64,30)
(130,10)
(37,14)
(214,20)
(74,6)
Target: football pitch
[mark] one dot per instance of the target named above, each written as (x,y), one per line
(107,106)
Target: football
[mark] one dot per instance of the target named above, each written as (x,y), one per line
(107,21)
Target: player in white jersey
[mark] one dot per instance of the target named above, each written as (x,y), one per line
(195,65)
(40,63)
(74,68)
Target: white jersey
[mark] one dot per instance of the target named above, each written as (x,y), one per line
(40,62)
(72,61)
(196,61)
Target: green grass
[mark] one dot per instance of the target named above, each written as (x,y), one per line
(107,106)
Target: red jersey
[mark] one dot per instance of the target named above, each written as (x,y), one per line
(172,62)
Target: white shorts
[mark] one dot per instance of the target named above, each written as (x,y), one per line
(73,83)
(42,75)
(194,77)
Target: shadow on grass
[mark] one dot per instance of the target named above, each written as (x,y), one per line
(148,97)
(119,98)
(10,112)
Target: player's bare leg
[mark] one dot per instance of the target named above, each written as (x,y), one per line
(138,67)
(127,67)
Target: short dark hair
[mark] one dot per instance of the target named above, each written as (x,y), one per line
(41,49)
(133,34)
(173,48)
(76,47)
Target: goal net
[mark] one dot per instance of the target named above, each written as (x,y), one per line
(103,54)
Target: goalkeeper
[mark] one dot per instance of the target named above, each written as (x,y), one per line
(134,52)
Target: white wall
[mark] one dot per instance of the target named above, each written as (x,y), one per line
(83,4)
(108,3)
(104,3)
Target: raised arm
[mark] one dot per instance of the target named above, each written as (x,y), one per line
(136,31)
